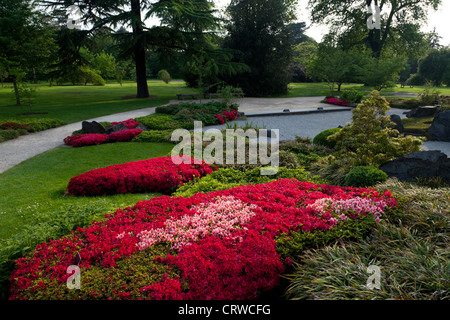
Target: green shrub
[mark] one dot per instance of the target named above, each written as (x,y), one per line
(189,112)
(9,134)
(370,139)
(164,75)
(223,179)
(163,122)
(306,152)
(15,126)
(154,136)
(39,124)
(351,96)
(322,138)
(364,176)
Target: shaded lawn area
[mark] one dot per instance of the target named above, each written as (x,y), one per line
(77,103)
(38,184)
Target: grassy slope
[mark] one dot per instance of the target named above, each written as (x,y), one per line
(77,103)
(38,184)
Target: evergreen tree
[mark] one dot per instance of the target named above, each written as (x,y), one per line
(260,30)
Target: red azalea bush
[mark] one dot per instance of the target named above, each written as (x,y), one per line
(232,257)
(337,102)
(153,175)
(88,139)
(130,123)
(124,135)
(230,114)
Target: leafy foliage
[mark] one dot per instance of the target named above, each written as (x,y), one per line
(364,176)
(370,139)
(259,30)
(322,138)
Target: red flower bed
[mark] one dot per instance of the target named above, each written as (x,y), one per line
(337,102)
(153,175)
(124,135)
(130,123)
(88,139)
(229,257)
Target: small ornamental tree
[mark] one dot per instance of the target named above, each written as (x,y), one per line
(370,139)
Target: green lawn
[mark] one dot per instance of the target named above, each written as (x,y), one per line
(77,103)
(322,89)
(38,184)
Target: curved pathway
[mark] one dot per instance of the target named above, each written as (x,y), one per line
(18,150)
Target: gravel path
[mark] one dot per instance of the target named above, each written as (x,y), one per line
(15,151)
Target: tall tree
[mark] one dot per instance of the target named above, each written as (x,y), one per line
(348,19)
(260,30)
(183,24)
(25,40)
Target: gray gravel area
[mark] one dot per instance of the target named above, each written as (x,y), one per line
(309,125)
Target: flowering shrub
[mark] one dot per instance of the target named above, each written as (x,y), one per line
(124,135)
(199,247)
(337,102)
(88,139)
(219,118)
(230,114)
(130,123)
(153,175)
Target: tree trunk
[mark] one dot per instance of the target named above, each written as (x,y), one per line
(16,91)
(139,51)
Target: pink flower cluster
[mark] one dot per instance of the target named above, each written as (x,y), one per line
(230,114)
(219,218)
(337,102)
(332,208)
(153,175)
(89,139)
(130,123)
(224,240)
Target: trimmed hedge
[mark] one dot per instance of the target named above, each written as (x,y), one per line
(163,122)
(364,176)
(321,138)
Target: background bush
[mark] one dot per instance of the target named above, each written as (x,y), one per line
(321,138)
(163,122)
(154,136)
(351,96)
(364,176)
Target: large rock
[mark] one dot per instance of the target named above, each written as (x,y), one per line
(118,127)
(426,111)
(440,128)
(143,127)
(398,123)
(92,127)
(421,164)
